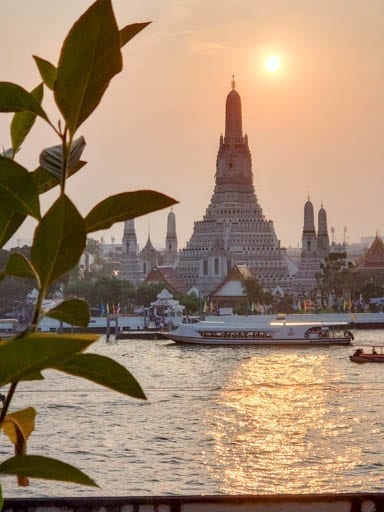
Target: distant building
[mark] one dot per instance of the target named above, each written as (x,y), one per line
(170,252)
(312,252)
(149,258)
(130,263)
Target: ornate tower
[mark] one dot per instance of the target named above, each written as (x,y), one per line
(322,234)
(309,241)
(150,257)
(170,254)
(233,229)
(310,261)
(130,264)
(129,237)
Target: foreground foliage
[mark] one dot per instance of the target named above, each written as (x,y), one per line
(90,57)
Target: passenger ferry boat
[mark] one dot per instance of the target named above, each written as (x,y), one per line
(265,334)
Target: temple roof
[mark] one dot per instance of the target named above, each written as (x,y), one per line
(149,246)
(373,259)
(232,285)
(169,277)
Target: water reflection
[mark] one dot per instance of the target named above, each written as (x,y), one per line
(217,420)
(276,429)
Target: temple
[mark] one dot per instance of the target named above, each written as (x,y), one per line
(234,229)
(233,234)
(371,263)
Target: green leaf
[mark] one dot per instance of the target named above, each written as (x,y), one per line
(129,31)
(125,206)
(10,221)
(18,190)
(103,371)
(14,98)
(36,466)
(23,358)
(18,265)
(89,59)
(22,122)
(48,71)
(52,158)
(71,311)
(45,180)
(58,242)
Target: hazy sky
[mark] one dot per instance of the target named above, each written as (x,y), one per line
(316,126)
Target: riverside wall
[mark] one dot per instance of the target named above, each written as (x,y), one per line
(132,327)
(243,503)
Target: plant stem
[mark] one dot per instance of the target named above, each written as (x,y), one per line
(8,399)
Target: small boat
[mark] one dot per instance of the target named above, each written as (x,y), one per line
(252,332)
(359,356)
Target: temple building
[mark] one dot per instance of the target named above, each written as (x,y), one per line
(234,230)
(371,264)
(126,261)
(314,250)
(170,252)
(130,268)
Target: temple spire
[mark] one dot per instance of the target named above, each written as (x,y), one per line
(233,118)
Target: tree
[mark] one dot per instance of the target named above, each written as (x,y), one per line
(90,57)
(338,277)
(147,293)
(190,301)
(255,292)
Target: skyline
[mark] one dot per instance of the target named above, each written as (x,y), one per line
(314,127)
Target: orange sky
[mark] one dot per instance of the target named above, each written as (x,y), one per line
(314,127)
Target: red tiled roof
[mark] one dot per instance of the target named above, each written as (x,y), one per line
(168,276)
(373,259)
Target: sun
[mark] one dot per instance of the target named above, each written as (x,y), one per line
(272,63)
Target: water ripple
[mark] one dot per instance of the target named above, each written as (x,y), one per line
(222,420)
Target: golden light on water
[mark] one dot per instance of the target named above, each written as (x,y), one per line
(274,427)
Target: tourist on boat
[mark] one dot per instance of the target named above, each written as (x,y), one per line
(374,350)
(358,352)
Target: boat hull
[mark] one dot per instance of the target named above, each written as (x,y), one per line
(367,358)
(260,342)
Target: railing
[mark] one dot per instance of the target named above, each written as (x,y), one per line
(245,503)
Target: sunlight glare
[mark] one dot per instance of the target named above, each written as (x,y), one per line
(272,63)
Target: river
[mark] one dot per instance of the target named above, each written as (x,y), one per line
(218,420)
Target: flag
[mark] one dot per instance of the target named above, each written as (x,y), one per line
(107,309)
(118,308)
(212,307)
(113,308)
(102,309)
(252,307)
(205,307)
(299,305)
